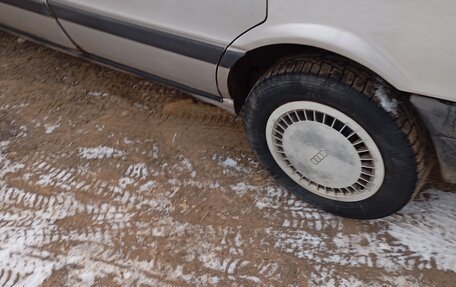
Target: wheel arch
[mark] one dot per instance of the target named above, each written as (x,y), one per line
(266,45)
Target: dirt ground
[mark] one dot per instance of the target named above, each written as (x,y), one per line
(109,180)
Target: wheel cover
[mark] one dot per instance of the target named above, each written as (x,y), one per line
(325,151)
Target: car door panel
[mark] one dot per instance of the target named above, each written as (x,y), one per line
(32,17)
(161,63)
(178,40)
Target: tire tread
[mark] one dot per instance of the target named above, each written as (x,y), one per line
(366,83)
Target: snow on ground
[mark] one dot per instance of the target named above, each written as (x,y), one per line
(95,191)
(422,237)
(100,152)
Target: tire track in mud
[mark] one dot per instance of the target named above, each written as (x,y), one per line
(107,179)
(50,175)
(313,235)
(63,205)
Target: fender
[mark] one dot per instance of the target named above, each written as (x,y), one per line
(324,37)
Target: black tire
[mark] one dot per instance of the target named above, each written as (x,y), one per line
(351,89)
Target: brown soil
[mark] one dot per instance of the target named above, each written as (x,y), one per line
(110,180)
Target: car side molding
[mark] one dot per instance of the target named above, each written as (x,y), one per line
(29,5)
(213,99)
(192,48)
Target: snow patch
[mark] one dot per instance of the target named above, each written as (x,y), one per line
(148,186)
(241,188)
(388,103)
(229,163)
(98,94)
(50,128)
(393,247)
(155,151)
(433,222)
(186,163)
(138,170)
(100,152)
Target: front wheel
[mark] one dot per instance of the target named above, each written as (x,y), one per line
(336,136)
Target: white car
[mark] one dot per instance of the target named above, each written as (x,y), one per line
(348,104)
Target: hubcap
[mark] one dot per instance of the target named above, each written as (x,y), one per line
(325,151)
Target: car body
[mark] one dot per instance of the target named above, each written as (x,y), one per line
(216,50)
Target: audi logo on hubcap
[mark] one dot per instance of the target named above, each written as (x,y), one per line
(319,157)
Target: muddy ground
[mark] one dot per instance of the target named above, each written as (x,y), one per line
(109,180)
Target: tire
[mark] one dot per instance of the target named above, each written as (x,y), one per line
(299,117)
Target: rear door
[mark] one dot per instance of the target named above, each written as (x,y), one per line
(32,18)
(177,40)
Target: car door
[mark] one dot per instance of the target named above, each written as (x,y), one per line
(180,41)
(34,19)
